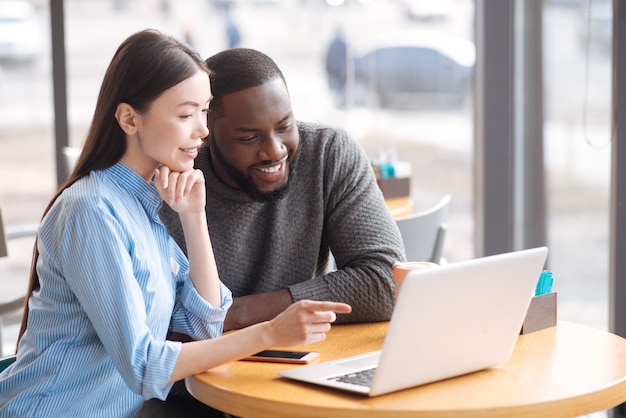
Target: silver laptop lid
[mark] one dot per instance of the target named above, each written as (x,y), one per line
(457,319)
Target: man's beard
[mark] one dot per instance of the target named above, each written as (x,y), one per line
(245,182)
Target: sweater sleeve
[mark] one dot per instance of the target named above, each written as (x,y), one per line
(361,234)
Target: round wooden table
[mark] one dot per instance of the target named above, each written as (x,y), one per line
(564,371)
(399,206)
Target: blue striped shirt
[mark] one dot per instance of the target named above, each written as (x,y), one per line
(112,282)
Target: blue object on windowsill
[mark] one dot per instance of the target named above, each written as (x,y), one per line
(544,285)
(387,170)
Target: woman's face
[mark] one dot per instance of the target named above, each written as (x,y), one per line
(171,131)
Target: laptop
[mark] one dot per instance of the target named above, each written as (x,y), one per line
(448,321)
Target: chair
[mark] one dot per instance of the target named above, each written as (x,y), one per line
(14,303)
(70,155)
(7,361)
(424,233)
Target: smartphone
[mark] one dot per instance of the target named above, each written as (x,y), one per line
(284,356)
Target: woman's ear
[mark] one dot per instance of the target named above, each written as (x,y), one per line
(126,118)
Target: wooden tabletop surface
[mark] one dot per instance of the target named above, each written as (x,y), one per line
(399,206)
(563,371)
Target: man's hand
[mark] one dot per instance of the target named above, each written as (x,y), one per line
(252,309)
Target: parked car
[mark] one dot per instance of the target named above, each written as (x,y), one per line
(402,67)
(21,34)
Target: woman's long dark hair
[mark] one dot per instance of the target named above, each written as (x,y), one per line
(143,67)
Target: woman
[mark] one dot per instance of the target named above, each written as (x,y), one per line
(107,280)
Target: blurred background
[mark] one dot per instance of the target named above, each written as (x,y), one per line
(405,93)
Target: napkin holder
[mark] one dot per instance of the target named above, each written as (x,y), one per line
(395,187)
(541,313)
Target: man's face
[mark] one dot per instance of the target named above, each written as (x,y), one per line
(254,141)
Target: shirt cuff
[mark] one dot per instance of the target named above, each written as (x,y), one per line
(159,370)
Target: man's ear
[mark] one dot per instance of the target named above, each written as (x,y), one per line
(127,118)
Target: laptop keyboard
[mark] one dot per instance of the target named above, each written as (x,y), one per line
(360,378)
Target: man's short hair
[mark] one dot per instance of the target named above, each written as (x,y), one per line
(238,69)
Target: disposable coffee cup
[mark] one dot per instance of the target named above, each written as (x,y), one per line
(400,270)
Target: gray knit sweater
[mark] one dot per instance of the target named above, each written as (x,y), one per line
(333,204)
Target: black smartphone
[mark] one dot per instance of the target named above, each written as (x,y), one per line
(284,356)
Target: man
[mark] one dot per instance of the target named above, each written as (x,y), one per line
(337,66)
(283,194)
